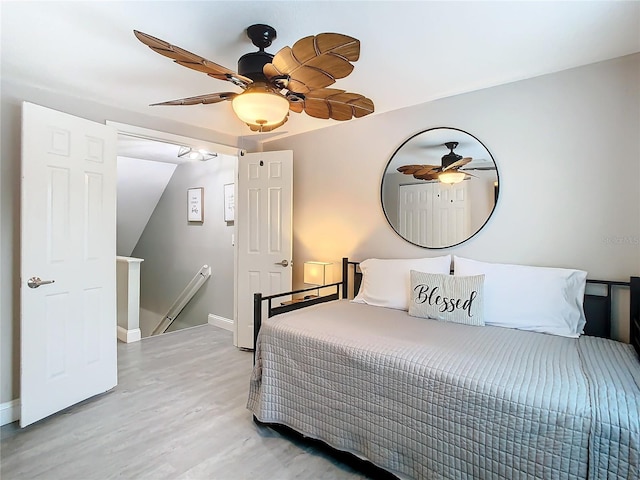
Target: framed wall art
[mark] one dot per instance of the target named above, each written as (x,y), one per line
(195,204)
(229,202)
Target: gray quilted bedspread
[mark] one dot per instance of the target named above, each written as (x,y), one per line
(428,399)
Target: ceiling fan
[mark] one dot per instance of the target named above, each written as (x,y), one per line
(448,172)
(293,79)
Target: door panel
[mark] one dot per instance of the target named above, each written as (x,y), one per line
(264,202)
(433,213)
(68,328)
(275,219)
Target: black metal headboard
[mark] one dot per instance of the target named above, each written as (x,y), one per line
(353,267)
(635,312)
(597,308)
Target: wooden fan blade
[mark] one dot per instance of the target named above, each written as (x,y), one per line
(270,71)
(191,60)
(411,169)
(315,61)
(296,107)
(426,176)
(427,169)
(336,104)
(204,99)
(458,164)
(302,79)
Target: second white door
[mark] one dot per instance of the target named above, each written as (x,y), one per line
(264,201)
(68,261)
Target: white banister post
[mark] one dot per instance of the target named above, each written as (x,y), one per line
(128,298)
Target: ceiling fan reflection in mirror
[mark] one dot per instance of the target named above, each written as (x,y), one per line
(449,172)
(293,79)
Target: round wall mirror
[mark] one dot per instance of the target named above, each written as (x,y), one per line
(439,188)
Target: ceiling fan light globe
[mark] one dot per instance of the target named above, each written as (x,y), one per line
(261,107)
(451,177)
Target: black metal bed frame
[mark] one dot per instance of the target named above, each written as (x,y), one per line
(634,316)
(597,307)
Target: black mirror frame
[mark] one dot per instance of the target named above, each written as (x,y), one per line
(496,190)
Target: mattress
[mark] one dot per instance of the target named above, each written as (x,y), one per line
(428,399)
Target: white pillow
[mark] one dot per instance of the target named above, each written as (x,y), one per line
(387,282)
(540,299)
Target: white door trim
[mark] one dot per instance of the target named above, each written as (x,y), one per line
(161,136)
(158,135)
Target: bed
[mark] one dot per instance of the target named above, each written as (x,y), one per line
(422,398)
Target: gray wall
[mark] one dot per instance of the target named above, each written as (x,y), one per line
(566,145)
(140,186)
(11,96)
(174,249)
(567,149)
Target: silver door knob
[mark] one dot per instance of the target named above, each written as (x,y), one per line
(35,282)
(283,263)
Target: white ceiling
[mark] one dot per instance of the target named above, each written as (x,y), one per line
(411,52)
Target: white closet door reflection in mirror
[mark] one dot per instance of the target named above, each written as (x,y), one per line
(439,188)
(431,213)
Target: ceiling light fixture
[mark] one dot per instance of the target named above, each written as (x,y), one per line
(261,107)
(451,176)
(192,154)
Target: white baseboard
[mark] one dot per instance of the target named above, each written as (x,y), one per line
(221,322)
(129,336)
(9,411)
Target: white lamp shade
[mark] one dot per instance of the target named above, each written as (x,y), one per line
(451,176)
(318,273)
(260,107)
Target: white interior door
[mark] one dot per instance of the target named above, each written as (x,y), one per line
(264,203)
(68,201)
(452,213)
(414,205)
(434,213)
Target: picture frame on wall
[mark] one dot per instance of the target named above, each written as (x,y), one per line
(229,202)
(195,204)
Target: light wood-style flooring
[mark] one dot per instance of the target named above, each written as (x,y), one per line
(178,412)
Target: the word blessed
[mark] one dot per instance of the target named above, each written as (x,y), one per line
(445,304)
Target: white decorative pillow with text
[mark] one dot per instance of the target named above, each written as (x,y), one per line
(447,298)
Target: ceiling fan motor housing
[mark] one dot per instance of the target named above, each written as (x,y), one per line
(251,64)
(450,157)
